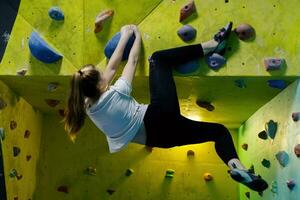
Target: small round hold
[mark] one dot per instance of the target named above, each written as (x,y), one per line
(297,150)
(207,177)
(296,116)
(215,61)
(245,32)
(56,13)
(190,153)
(187,33)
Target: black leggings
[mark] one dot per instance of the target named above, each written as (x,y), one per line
(165,126)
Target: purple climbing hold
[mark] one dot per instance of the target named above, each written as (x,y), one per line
(279,84)
(215,61)
(291,184)
(297,150)
(271,128)
(296,116)
(16,151)
(263,135)
(272,64)
(266,163)
(283,158)
(188,67)
(245,32)
(187,33)
(56,13)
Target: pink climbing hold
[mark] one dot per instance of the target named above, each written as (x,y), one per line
(296,116)
(297,150)
(101,19)
(272,64)
(187,10)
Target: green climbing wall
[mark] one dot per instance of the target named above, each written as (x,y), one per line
(27,119)
(277,35)
(280,110)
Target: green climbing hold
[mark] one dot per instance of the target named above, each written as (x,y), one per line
(266,163)
(129,172)
(274,187)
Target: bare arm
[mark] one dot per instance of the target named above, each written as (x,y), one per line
(130,67)
(116,58)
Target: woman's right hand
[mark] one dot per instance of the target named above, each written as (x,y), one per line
(126,31)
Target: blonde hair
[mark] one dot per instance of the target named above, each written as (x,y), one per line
(84,83)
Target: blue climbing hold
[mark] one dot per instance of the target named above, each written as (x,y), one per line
(271,128)
(41,50)
(187,33)
(56,13)
(279,84)
(240,83)
(215,61)
(188,67)
(112,44)
(283,158)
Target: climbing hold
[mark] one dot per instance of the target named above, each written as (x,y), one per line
(263,135)
(61,112)
(2,104)
(91,171)
(129,172)
(13,173)
(240,83)
(13,125)
(101,19)
(296,116)
(283,158)
(187,10)
(188,67)
(52,102)
(271,128)
(170,173)
(41,50)
(266,163)
(16,198)
(204,104)
(16,151)
(22,72)
(247,194)
(52,86)
(187,33)
(251,169)
(207,177)
(215,61)
(245,32)
(274,187)
(149,149)
(56,13)
(291,184)
(261,193)
(112,44)
(110,191)
(28,157)
(272,64)
(27,134)
(297,150)
(190,153)
(279,84)
(63,188)
(2,134)
(245,146)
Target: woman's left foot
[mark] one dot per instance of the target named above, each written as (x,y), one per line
(254,182)
(224,33)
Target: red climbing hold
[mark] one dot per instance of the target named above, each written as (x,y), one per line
(63,188)
(52,102)
(101,19)
(187,10)
(245,32)
(204,104)
(297,150)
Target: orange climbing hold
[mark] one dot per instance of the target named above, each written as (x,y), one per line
(187,10)
(101,19)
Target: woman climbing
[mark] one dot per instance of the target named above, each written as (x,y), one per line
(159,124)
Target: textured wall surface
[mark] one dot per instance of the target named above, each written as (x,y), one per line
(280,110)
(26,118)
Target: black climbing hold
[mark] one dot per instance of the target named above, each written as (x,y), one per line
(204,104)
(110,191)
(187,10)
(187,33)
(251,169)
(2,134)
(28,157)
(247,194)
(27,134)
(291,184)
(296,116)
(266,163)
(16,151)
(245,146)
(190,153)
(129,172)
(52,102)
(263,135)
(245,32)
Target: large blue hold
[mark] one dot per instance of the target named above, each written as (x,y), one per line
(279,84)
(215,61)
(187,33)
(41,50)
(112,44)
(188,67)
(56,13)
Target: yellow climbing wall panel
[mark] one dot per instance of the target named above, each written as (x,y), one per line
(26,118)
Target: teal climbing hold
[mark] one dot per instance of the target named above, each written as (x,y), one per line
(41,50)
(215,61)
(16,151)
(271,128)
(279,84)
(283,158)
(187,33)
(188,67)
(2,134)
(56,14)
(274,187)
(272,64)
(266,163)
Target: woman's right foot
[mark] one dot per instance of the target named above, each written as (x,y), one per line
(252,181)
(221,37)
